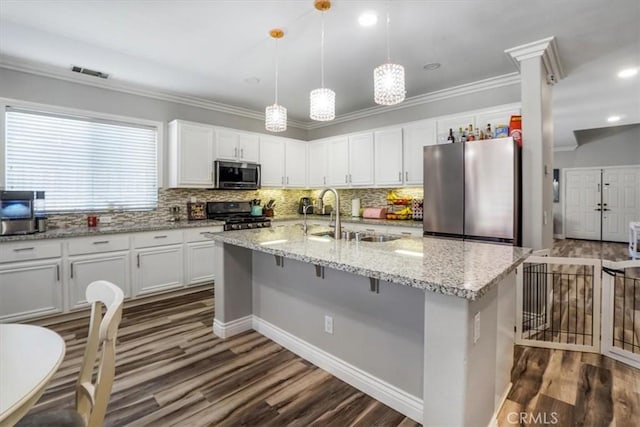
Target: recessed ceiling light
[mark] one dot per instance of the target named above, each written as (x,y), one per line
(367,19)
(627,72)
(252,80)
(613,119)
(432,66)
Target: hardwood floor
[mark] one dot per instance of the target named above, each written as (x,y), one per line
(172,370)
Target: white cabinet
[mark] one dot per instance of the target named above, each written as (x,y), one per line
(190,155)
(388,157)
(295,164)
(199,256)
(283,162)
(416,136)
(158,261)
(272,161)
(350,160)
(338,162)
(110,266)
(234,145)
(317,164)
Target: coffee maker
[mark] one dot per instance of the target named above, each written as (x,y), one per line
(17,213)
(305,201)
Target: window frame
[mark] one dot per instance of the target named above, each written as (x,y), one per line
(54,109)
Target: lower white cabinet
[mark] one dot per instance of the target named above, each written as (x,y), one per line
(157,269)
(30,289)
(199,266)
(110,266)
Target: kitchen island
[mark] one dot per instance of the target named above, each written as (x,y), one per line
(424,325)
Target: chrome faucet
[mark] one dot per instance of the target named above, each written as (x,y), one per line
(338,228)
(304,225)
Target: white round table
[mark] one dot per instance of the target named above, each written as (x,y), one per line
(29,356)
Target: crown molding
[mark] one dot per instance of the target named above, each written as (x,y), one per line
(547,49)
(564,147)
(452,92)
(40,69)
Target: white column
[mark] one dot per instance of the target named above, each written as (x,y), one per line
(540,68)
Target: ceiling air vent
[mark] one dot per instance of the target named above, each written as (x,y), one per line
(89,72)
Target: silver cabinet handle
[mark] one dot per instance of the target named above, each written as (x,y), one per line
(242,153)
(287,180)
(71,268)
(23,249)
(58,272)
(346,178)
(324,180)
(164,236)
(400,176)
(282,180)
(101,242)
(138,260)
(350,178)
(406,176)
(235,152)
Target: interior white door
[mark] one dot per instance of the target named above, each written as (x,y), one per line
(620,202)
(582,203)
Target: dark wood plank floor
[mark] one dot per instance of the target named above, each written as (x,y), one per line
(172,370)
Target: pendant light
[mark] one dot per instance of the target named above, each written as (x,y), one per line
(388,79)
(275,116)
(322,101)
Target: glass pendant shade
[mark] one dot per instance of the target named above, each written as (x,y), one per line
(388,84)
(275,118)
(322,104)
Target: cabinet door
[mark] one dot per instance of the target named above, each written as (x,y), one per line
(388,157)
(272,161)
(295,164)
(30,289)
(158,269)
(317,164)
(227,144)
(248,147)
(111,266)
(415,137)
(338,162)
(361,159)
(191,152)
(200,266)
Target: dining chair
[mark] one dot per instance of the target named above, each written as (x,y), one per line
(92,396)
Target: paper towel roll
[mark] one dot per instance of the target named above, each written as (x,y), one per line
(355,207)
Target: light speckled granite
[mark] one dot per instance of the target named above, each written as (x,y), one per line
(59,233)
(451,267)
(350,220)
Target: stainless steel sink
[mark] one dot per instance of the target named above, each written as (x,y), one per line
(379,238)
(323,233)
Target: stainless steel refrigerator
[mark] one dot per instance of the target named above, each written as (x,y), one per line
(471,190)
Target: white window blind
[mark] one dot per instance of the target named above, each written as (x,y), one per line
(82,164)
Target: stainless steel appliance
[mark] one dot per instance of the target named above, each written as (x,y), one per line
(17,213)
(236,215)
(472,190)
(304,202)
(236,175)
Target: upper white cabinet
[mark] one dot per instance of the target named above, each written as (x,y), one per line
(284,162)
(317,161)
(236,145)
(388,157)
(350,160)
(190,154)
(416,136)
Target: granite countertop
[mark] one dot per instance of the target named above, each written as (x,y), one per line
(351,220)
(133,227)
(451,267)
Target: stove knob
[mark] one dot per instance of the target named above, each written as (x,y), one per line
(251,225)
(259,225)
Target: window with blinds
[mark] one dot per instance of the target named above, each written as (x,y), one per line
(82,164)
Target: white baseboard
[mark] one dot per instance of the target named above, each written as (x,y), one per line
(234,327)
(494,418)
(558,236)
(403,402)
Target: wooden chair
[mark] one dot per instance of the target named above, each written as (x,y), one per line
(92,396)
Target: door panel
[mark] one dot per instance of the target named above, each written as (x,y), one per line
(621,196)
(582,195)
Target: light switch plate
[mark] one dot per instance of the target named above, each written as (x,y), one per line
(328,324)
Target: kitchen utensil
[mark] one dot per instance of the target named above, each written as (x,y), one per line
(256,210)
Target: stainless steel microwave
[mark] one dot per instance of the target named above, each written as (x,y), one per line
(236,175)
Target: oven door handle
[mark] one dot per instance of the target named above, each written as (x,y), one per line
(259,176)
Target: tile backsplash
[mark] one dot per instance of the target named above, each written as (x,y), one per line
(286,203)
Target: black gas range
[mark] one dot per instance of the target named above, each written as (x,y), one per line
(236,215)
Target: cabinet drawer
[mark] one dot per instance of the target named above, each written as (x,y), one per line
(198,234)
(157,238)
(92,245)
(26,251)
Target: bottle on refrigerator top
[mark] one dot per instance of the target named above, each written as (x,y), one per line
(470,135)
(461,135)
(488,133)
(451,138)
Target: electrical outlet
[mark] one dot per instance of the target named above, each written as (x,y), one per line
(193,199)
(476,328)
(328,324)
(105,219)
